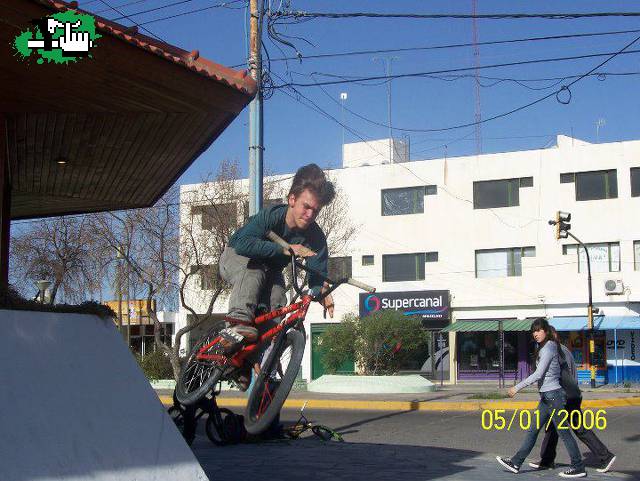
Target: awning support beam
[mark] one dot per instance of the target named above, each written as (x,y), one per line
(5,205)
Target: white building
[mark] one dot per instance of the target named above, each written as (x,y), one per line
(477,227)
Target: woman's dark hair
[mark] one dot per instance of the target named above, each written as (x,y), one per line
(543,323)
(312,177)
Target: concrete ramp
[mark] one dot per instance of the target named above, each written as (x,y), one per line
(74,405)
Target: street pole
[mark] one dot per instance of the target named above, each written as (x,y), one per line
(387,61)
(256,132)
(592,349)
(343,97)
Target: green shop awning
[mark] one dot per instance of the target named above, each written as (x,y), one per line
(474,326)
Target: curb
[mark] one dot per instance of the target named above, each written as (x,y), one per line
(418,405)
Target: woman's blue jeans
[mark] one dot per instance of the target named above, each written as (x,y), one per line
(551,402)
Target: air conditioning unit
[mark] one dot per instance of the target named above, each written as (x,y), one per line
(613,287)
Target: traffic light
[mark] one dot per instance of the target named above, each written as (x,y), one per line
(562,224)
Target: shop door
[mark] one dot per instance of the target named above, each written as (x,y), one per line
(317,366)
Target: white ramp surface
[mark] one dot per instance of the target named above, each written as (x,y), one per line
(74,405)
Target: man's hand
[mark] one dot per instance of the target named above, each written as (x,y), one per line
(300,251)
(327,302)
(512,391)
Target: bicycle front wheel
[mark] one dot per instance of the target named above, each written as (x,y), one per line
(274,383)
(197,376)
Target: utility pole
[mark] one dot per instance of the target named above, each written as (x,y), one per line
(387,62)
(343,97)
(256,147)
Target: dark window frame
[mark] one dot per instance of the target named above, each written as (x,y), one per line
(634,174)
(512,191)
(419,193)
(369,261)
(344,272)
(610,184)
(525,251)
(419,266)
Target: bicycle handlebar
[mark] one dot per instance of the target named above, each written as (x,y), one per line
(282,243)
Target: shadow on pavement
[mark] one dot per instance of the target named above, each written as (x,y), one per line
(312,459)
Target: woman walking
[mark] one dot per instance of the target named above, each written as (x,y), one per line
(552,400)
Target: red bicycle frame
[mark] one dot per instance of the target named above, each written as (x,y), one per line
(297,310)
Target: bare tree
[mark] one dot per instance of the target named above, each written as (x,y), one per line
(62,250)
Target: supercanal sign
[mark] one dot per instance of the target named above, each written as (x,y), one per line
(432,306)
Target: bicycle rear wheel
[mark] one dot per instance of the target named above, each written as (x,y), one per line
(274,383)
(198,376)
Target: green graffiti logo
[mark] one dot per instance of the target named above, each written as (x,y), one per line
(60,38)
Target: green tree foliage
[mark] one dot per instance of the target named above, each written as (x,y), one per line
(338,343)
(382,343)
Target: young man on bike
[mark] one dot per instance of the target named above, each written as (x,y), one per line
(253,265)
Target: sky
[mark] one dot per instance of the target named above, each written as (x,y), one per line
(600,108)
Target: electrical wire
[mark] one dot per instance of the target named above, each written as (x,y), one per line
(449,46)
(346,80)
(296,15)
(227,5)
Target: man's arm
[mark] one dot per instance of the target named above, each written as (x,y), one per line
(250,239)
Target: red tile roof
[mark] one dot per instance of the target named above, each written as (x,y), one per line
(238,79)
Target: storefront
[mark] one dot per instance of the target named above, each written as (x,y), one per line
(433,307)
(487,349)
(616,347)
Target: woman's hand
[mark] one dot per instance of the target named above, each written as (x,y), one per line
(512,391)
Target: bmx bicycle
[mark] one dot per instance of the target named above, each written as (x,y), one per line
(274,376)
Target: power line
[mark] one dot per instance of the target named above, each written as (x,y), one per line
(297,15)
(117,6)
(160,8)
(564,88)
(220,5)
(345,80)
(133,21)
(441,47)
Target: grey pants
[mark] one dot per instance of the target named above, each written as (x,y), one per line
(253,284)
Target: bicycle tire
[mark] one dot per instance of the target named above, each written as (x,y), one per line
(191,386)
(214,427)
(273,385)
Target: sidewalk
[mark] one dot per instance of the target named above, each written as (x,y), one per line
(446,398)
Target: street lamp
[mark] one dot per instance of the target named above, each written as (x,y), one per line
(561,222)
(42,287)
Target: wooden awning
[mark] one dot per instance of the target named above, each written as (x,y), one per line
(127,122)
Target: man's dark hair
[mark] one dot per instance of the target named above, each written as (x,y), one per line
(312,177)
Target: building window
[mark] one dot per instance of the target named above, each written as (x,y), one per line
(208,276)
(431,190)
(479,352)
(601,184)
(567,178)
(367,260)
(526,182)
(217,216)
(265,203)
(339,268)
(488,194)
(604,257)
(408,200)
(636,255)
(635,182)
(502,262)
(403,267)
(431,257)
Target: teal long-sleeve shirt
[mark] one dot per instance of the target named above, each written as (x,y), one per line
(251,241)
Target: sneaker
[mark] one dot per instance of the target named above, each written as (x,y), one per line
(540,466)
(506,463)
(607,464)
(573,473)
